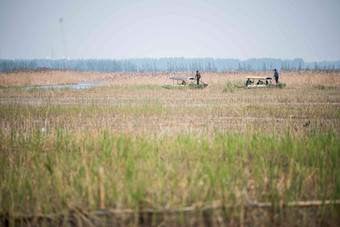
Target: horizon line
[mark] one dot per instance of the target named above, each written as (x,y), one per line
(159,58)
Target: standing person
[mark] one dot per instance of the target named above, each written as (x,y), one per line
(276,76)
(198,77)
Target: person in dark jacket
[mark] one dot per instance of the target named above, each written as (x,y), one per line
(276,76)
(198,77)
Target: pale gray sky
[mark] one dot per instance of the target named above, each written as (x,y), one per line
(242,29)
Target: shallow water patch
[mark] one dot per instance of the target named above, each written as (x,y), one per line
(78,86)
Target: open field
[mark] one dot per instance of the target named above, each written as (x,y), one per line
(296,79)
(131,147)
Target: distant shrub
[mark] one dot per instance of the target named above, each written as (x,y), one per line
(239,84)
(146,87)
(281,85)
(230,86)
(320,86)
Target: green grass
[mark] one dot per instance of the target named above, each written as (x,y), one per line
(320,86)
(146,87)
(132,87)
(230,86)
(281,85)
(48,171)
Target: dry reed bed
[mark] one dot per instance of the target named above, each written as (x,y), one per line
(150,120)
(130,146)
(143,110)
(297,79)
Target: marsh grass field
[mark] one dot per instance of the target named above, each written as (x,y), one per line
(132,153)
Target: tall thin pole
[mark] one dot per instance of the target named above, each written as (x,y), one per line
(64,41)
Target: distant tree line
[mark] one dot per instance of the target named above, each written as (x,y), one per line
(168,65)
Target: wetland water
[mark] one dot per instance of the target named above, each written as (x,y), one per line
(78,86)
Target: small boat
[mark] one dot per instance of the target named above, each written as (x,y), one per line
(261,81)
(183,82)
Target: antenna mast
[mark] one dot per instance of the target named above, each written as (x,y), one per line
(64,40)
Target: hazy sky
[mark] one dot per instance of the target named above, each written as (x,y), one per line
(242,29)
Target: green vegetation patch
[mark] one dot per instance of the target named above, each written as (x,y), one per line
(323,87)
(230,86)
(45,172)
(320,86)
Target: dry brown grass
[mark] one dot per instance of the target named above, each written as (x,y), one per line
(137,110)
(294,79)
